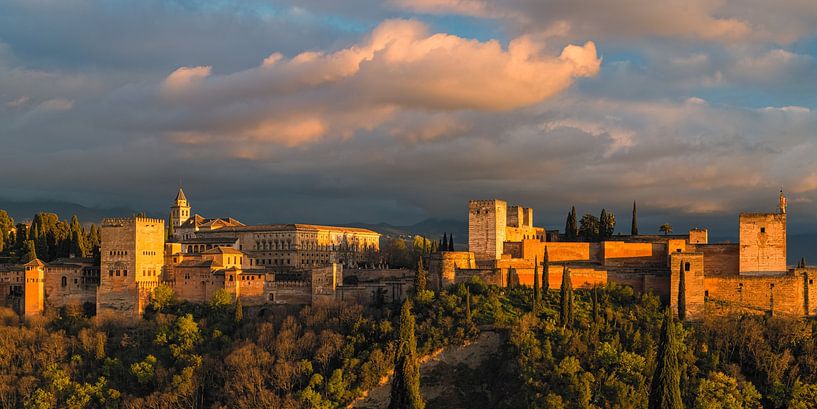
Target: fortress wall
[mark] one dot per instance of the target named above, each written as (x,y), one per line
(719,259)
(442,267)
(656,284)
(78,289)
(762,243)
(698,236)
(620,254)
(693,266)
(562,251)
(517,234)
(783,294)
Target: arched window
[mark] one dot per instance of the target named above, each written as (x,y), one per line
(64,281)
(686,266)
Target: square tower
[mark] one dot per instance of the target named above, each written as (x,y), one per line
(487,220)
(762,243)
(132,257)
(34,290)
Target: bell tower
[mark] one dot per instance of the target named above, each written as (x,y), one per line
(180,210)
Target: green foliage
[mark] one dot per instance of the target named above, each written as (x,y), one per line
(607,224)
(665,390)
(665,228)
(405,388)
(720,391)
(162,297)
(634,226)
(421,279)
(537,297)
(566,300)
(571,225)
(221,299)
(682,293)
(589,227)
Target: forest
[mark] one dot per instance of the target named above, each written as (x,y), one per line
(562,348)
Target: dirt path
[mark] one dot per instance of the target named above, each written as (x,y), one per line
(439,372)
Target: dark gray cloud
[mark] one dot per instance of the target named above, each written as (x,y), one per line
(696,126)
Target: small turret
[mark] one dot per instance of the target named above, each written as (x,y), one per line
(180,210)
(783,202)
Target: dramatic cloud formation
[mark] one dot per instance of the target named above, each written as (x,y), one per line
(363,110)
(400,66)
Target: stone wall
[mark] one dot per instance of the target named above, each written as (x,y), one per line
(34,289)
(781,294)
(719,259)
(762,243)
(698,236)
(132,259)
(692,265)
(620,254)
(71,282)
(443,267)
(487,220)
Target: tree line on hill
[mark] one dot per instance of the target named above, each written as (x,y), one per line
(47,238)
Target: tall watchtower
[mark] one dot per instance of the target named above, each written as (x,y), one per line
(487,220)
(34,291)
(132,258)
(763,241)
(180,210)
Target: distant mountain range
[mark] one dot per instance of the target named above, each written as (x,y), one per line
(25,210)
(799,245)
(431,228)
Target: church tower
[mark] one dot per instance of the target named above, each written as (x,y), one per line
(180,210)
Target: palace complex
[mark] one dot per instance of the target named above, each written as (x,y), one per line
(305,263)
(196,256)
(752,274)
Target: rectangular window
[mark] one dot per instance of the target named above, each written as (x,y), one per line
(763,230)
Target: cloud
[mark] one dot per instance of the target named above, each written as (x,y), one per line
(400,66)
(56,104)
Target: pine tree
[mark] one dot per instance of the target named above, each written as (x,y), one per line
(566,310)
(451,242)
(682,298)
(239,310)
(665,390)
(537,298)
(421,279)
(634,227)
(405,386)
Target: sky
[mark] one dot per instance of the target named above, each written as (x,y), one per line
(400,110)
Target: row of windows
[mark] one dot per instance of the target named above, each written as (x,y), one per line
(111,273)
(118,253)
(148,253)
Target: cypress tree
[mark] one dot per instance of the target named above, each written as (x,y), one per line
(682,298)
(511,272)
(444,244)
(634,227)
(802,263)
(421,279)
(405,386)
(171,230)
(537,298)
(572,225)
(595,304)
(467,304)
(30,252)
(665,390)
(239,310)
(566,310)
(545,271)
(451,242)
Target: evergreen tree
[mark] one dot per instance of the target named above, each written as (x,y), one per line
(545,271)
(511,274)
(595,304)
(572,227)
(589,227)
(682,298)
(78,244)
(467,304)
(634,227)
(239,310)
(451,242)
(566,309)
(30,252)
(665,390)
(607,224)
(421,279)
(444,244)
(6,224)
(537,297)
(802,263)
(171,230)
(405,386)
